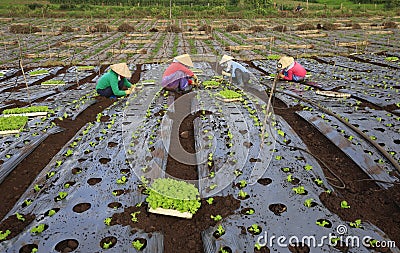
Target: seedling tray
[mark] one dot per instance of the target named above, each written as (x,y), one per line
(332,94)
(171,212)
(29,114)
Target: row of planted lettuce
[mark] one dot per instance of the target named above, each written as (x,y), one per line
(242,150)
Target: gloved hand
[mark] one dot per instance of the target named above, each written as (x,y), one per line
(129,91)
(195,80)
(225,73)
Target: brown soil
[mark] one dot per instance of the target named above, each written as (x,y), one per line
(24,29)
(280,28)
(125,27)
(17,182)
(368,202)
(180,235)
(232,27)
(173,29)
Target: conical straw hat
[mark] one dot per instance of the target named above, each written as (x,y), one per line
(121,69)
(285,62)
(184,59)
(225,58)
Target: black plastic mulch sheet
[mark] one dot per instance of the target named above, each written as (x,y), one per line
(102,152)
(91,163)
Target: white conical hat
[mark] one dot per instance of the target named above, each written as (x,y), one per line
(121,69)
(285,62)
(225,58)
(184,59)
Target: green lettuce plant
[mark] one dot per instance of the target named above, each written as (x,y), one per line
(173,194)
(12,123)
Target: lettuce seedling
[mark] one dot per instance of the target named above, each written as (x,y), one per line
(257,246)
(210,201)
(134,218)
(3,235)
(62,195)
(322,223)
(20,217)
(299,190)
(38,229)
(107,245)
(308,167)
(243,194)
(107,221)
(137,245)
(289,178)
(216,218)
(344,204)
(250,211)
(308,202)
(122,180)
(220,230)
(51,212)
(356,224)
(319,181)
(242,183)
(255,229)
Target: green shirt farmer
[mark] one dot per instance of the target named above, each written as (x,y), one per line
(111,83)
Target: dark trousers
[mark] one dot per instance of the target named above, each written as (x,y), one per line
(241,77)
(107,92)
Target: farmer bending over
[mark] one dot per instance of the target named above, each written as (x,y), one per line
(290,70)
(239,74)
(177,77)
(111,83)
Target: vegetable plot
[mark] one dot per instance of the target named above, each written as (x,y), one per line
(12,124)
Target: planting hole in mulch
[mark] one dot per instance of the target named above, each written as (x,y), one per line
(76,171)
(254,229)
(67,245)
(94,180)
(263,249)
(28,248)
(277,209)
(341,246)
(299,248)
(264,181)
(108,242)
(114,205)
(51,212)
(139,243)
(104,160)
(324,223)
(82,207)
(247,211)
(225,249)
(112,144)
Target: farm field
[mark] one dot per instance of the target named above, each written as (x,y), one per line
(76,172)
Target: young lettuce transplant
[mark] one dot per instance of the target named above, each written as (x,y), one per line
(26,110)
(12,123)
(168,193)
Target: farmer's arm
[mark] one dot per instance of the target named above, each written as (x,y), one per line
(114,86)
(289,76)
(127,83)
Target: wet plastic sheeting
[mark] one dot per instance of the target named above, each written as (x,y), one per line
(359,150)
(279,191)
(147,147)
(105,165)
